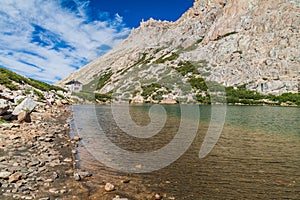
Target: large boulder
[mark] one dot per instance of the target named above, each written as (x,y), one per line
(26,105)
(24,116)
(3,106)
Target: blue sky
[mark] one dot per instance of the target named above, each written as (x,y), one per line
(49,39)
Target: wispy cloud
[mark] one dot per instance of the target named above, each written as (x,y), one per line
(48,40)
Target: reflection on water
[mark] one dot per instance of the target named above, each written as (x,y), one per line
(256,157)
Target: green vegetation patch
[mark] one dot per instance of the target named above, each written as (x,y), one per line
(149,89)
(244,96)
(103,97)
(198,83)
(103,80)
(203,99)
(186,67)
(7,77)
(4,121)
(225,35)
(140,61)
(39,94)
(193,46)
(158,95)
(163,59)
(238,51)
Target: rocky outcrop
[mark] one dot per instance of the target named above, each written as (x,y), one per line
(17,105)
(3,106)
(231,42)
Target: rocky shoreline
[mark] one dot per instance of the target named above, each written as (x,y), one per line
(37,158)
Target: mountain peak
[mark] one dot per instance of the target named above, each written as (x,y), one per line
(232,42)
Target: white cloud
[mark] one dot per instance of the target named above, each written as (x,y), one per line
(44,40)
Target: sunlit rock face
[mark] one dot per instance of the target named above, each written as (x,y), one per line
(232,42)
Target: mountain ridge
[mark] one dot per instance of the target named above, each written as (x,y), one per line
(231,42)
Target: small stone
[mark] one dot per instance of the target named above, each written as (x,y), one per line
(53,190)
(14,137)
(48,140)
(44,198)
(84,174)
(109,187)
(119,198)
(3,158)
(76,138)
(138,166)
(74,151)
(49,180)
(6,117)
(55,175)
(22,148)
(63,191)
(157,197)
(5,175)
(15,177)
(34,163)
(16,196)
(68,160)
(77,177)
(46,184)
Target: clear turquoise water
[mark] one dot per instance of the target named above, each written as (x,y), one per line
(256,157)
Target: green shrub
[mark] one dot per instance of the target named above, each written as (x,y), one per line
(186,67)
(225,35)
(149,89)
(198,83)
(39,94)
(158,95)
(103,97)
(103,80)
(4,121)
(238,51)
(12,86)
(203,99)
(242,95)
(162,59)
(199,40)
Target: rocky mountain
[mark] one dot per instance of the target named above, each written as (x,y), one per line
(249,44)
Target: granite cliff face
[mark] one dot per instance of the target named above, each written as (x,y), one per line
(232,42)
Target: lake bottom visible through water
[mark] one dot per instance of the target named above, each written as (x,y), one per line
(256,157)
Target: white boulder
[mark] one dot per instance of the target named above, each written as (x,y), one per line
(26,105)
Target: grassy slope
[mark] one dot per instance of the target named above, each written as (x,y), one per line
(8,78)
